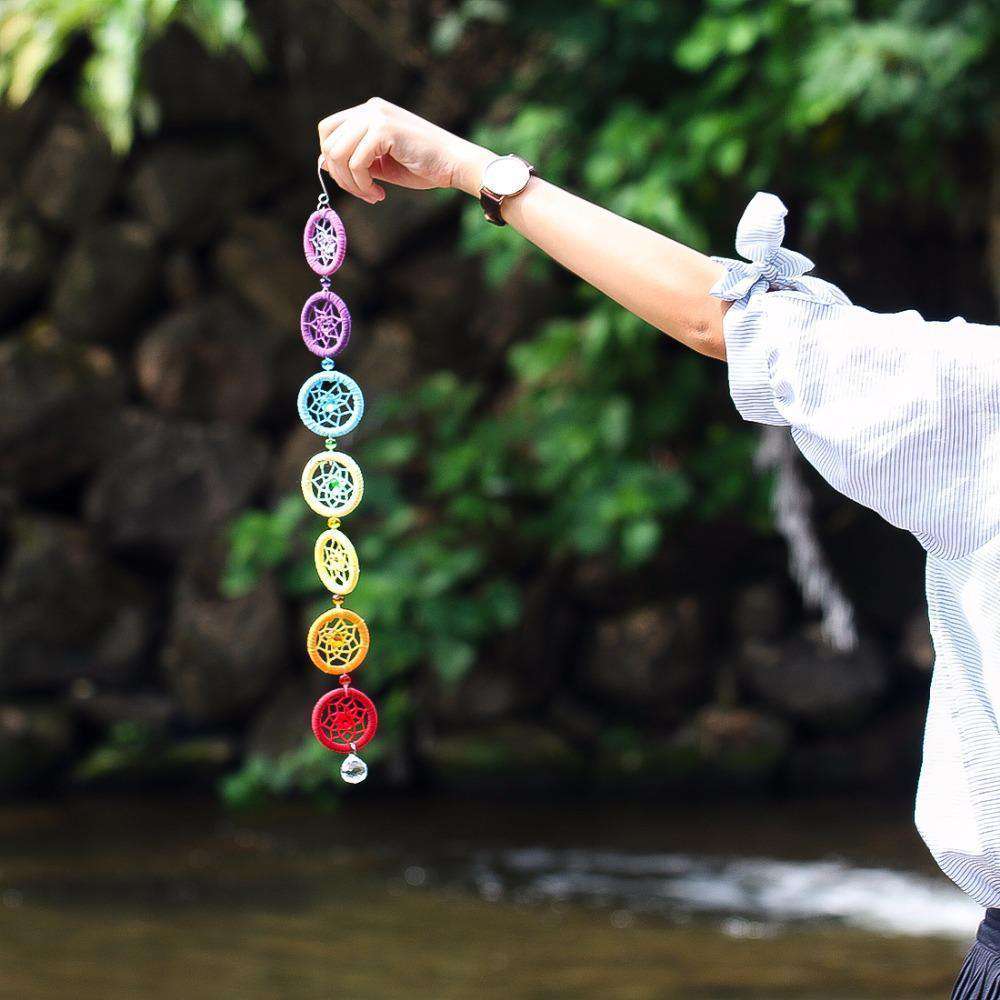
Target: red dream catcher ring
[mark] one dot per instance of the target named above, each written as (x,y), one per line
(345,720)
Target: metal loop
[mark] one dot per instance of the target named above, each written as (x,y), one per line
(324,198)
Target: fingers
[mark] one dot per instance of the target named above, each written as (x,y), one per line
(351,141)
(338,149)
(328,124)
(371,146)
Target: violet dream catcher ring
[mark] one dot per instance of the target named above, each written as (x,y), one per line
(331,405)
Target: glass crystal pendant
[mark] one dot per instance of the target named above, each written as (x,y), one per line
(354,770)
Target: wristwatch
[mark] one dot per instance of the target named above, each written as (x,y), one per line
(503,177)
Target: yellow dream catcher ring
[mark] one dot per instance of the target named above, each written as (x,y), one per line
(336,562)
(338,641)
(332,484)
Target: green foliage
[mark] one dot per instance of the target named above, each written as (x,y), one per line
(672,113)
(35,34)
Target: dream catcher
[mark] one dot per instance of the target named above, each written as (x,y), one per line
(331,405)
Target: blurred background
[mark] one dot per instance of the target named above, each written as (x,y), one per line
(616,751)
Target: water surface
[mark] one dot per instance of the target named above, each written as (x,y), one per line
(457,899)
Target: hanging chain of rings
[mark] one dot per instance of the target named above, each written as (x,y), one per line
(331,405)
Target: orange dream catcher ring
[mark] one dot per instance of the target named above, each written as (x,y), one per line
(338,641)
(330,404)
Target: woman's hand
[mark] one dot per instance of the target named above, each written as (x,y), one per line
(378,141)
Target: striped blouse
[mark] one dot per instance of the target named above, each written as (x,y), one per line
(903,416)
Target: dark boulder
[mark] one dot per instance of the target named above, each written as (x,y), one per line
(36,741)
(107,281)
(67,611)
(188,189)
(27,260)
(760,612)
(804,678)
(167,483)
(58,402)
(648,660)
(208,361)
(72,173)
(885,756)
(221,654)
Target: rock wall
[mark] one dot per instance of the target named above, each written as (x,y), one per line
(148,361)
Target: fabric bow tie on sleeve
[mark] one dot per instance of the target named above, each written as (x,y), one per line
(768,264)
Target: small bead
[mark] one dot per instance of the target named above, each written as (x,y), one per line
(328,364)
(333,522)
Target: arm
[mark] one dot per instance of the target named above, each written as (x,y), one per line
(661,281)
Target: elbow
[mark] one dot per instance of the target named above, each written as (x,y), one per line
(705,334)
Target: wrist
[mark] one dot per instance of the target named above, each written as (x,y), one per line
(468,176)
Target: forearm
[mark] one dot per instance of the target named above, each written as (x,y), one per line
(660,280)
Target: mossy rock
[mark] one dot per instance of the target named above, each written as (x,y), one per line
(132,758)
(507,757)
(34,742)
(720,748)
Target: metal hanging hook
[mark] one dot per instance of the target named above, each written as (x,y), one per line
(324,198)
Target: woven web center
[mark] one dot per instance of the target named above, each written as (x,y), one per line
(324,242)
(331,404)
(344,719)
(325,324)
(332,484)
(336,562)
(339,642)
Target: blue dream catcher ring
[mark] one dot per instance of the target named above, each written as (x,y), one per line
(330,403)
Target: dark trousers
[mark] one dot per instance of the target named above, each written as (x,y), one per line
(980,976)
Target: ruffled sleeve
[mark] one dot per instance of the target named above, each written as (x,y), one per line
(898,413)
(751,342)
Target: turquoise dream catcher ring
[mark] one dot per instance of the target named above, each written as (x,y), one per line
(331,404)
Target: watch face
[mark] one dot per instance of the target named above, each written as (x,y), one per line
(506,175)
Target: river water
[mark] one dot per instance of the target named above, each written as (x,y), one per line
(472,900)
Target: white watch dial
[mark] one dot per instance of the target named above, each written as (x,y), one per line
(506,175)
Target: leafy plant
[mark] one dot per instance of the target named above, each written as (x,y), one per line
(35,34)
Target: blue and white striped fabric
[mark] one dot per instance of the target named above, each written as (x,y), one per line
(903,416)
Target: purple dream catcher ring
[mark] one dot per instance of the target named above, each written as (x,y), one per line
(324,241)
(326,324)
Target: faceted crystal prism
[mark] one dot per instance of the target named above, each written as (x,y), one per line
(354,770)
